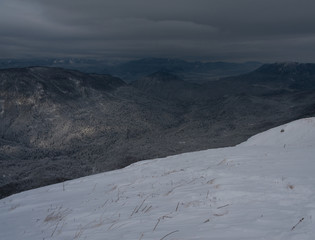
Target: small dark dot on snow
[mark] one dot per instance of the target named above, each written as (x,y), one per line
(282,130)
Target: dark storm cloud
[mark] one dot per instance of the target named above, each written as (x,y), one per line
(266,30)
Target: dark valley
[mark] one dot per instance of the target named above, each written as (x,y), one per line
(58,124)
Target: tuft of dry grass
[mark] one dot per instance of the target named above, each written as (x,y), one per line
(78,233)
(57,216)
(14,207)
(220,214)
(211,181)
(208,220)
(141,236)
(222,162)
(290,186)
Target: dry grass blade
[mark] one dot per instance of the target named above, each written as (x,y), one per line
(301,220)
(169,234)
(148,209)
(223,206)
(156,224)
(177,207)
(52,234)
(134,211)
(140,206)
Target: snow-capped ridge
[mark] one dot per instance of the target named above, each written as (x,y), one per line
(297,133)
(233,193)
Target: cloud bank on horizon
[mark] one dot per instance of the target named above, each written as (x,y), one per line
(227,30)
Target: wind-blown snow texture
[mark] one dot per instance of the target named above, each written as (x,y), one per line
(260,189)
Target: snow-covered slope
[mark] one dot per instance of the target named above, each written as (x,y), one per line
(261,189)
(298,133)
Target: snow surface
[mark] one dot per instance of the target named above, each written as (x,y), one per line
(261,189)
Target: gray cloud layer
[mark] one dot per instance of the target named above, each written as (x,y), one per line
(233,30)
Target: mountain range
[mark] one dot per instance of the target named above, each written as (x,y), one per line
(58,124)
(193,71)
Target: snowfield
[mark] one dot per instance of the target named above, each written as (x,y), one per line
(261,189)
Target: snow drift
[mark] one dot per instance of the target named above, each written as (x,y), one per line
(261,189)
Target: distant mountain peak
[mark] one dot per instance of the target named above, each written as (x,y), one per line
(164,76)
(287,68)
(56,81)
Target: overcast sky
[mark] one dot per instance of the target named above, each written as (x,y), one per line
(214,30)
